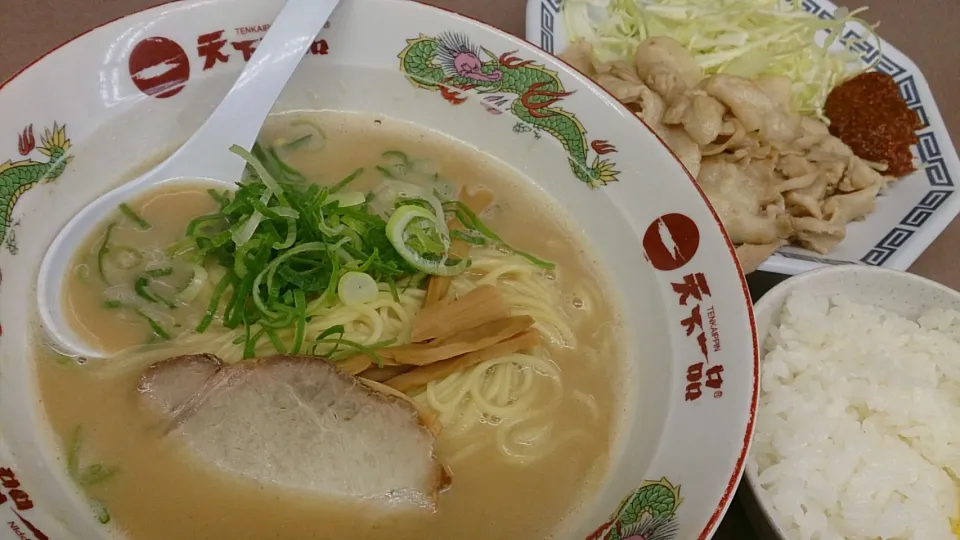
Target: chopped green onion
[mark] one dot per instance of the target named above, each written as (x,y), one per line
(103,250)
(86,476)
(82,272)
(469,219)
(268,274)
(158,330)
(272,186)
(276,165)
(394,292)
(215,195)
(386,172)
(181,247)
(218,291)
(326,229)
(472,239)
(275,341)
(112,304)
(324,339)
(126,257)
(250,341)
(404,159)
(100,511)
(94,474)
(160,272)
(142,287)
(346,181)
(353,346)
(348,198)
(407,221)
(249,345)
(288,246)
(133,216)
(357,288)
(196,284)
(291,235)
(297,143)
(321,337)
(300,304)
(316,127)
(73,452)
(243,234)
(197,222)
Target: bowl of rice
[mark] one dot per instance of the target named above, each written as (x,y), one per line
(860,391)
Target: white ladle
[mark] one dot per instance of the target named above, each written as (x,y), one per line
(205,156)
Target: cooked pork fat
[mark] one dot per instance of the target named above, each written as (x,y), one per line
(299,423)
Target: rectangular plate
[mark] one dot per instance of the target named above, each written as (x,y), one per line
(910,214)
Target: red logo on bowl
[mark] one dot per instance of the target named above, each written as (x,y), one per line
(671,241)
(214,48)
(694,292)
(13,493)
(159,67)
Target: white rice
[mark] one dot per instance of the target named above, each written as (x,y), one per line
(858,431)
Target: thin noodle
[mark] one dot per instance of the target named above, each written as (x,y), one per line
(515,396)
(589,402)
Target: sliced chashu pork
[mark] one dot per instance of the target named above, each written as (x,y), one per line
(298,423)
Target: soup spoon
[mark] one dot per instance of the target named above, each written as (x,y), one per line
(204,156)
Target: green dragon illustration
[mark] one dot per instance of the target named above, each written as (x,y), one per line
(649,513)
(451,65)
(17,177)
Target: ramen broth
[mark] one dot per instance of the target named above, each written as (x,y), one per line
(88,302)
(160,492)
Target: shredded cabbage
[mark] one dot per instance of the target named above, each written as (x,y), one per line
(739,37)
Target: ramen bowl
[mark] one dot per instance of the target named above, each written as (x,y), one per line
(683,388)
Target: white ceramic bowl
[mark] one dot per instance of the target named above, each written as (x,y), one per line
(909,216)
(905,294)
(109,99)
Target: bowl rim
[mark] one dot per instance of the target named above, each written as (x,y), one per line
(775,297)
(739,469)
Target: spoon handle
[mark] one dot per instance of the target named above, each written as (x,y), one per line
(239,117)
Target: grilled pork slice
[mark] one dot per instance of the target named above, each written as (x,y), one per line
(299,423)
